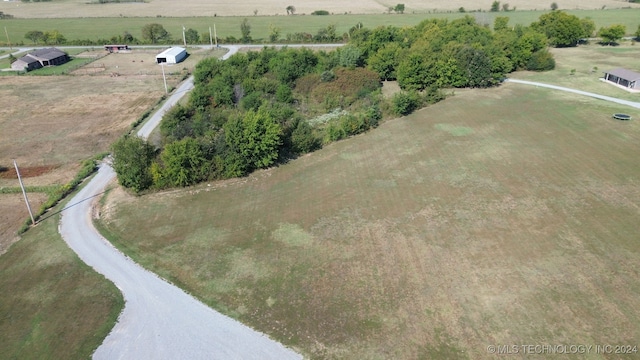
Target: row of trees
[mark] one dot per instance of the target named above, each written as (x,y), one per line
(560,28)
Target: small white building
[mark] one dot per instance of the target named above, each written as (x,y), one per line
(623,77)
(172,55)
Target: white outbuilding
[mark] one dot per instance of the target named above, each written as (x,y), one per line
(172,55)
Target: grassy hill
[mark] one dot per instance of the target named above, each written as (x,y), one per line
(500,216)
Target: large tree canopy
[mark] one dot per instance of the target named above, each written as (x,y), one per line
(561,29)
(154,33)
(132,157)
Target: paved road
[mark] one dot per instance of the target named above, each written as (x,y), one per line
(159,320)
(561,88)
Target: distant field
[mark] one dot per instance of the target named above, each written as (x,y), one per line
(190,8)
(500,216)
(105,28)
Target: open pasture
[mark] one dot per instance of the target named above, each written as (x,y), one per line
(500,216)
(195,8)
(107,27)
(51,123)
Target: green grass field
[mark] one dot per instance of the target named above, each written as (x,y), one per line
(500,216)
(105,28)
(53,305)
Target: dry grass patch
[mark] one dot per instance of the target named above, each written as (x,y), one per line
(52,123)
(501,216)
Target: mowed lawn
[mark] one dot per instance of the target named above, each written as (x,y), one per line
(496,217)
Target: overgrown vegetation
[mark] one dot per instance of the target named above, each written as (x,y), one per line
(258,109)
(250,112)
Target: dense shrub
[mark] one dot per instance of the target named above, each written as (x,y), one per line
(541,60)
(320,12)
(405,102)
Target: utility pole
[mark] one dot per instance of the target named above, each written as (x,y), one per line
(210,37)
(184,39)
(215,34)
(7,33)
(166,90)
(24,193)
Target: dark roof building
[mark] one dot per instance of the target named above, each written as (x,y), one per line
(40,58)
(623,77)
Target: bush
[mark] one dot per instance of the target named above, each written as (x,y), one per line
(541,60)
(320,12)
(303,140)
(405,102)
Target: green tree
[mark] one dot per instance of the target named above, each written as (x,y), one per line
(155,33)
(54,37)
(35,36)
(12,59)
(588,27)
(183,163)
(191,36)
(245,29)
(554,6)
(274,33)
(399,8)
(500,23)
(610,35)
(476,67)
(561,29)
(132,157)
(541,60)
(405,102)
(303,140)
(253,141)
(291,10)
(495,6)
(349,56)
(385,61)
(414,72)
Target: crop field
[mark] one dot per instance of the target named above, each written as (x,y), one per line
(194,8)
(106,27)
(51,123)
(500,216)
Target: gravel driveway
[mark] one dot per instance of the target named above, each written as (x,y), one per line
(159,321)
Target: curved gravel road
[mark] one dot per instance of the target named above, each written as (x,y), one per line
(159,321)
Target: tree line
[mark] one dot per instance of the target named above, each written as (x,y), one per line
(560,28)
(258,109)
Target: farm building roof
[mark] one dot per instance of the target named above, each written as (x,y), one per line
(27,59)
(625,74)
(174,51)
(46,54)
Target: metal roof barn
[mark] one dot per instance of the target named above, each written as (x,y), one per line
(172,55)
